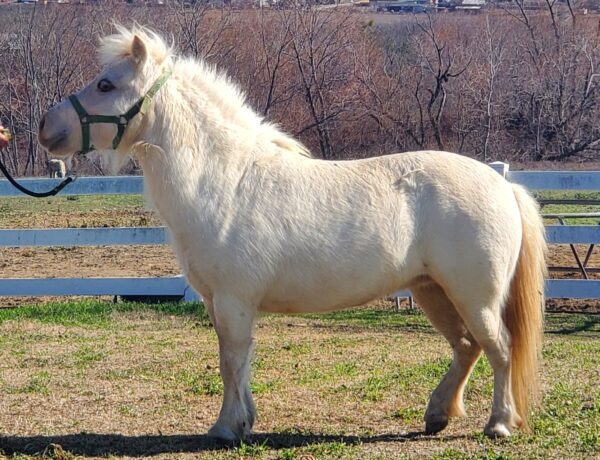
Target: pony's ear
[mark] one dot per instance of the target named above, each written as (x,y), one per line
(138,50)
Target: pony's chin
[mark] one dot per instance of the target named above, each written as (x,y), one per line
(110,161)
(59,151)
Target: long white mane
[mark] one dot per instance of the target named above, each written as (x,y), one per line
(198,76)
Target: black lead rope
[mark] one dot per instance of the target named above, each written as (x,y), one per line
(52,192)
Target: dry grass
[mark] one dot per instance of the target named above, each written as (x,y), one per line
(95,380)
(91,379)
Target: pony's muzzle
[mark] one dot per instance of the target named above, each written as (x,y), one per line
(50,141)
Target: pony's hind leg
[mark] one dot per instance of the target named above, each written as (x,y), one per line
(483,320)
(447,399)
(233,320)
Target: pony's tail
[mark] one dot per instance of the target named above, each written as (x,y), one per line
(524,312)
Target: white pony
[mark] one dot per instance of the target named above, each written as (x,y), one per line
(258,225)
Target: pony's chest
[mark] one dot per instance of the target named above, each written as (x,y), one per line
(196,259)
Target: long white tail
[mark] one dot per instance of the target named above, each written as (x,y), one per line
(524,312)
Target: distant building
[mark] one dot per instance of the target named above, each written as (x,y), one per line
(405,6)
(461,4)
(421,6)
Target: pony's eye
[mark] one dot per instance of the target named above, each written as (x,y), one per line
(105,86)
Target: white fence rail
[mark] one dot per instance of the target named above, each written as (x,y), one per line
(176,285)
(83,236)
(115,185)
(166,286)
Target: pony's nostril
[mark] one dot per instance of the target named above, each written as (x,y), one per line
(42,123)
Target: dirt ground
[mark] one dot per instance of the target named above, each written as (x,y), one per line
(117,261)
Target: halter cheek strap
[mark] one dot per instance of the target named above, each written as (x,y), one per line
(122,121)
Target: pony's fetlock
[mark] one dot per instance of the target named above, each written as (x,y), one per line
(457,407)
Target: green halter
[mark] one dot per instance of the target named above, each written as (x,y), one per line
(121,121)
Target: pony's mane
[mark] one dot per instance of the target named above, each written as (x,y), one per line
(118,45)
(202,75)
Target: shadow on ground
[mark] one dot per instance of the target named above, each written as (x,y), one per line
(573,324)
(92,444)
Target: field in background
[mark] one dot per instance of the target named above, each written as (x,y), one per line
(93,379)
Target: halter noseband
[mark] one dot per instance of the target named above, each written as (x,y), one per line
(85,119)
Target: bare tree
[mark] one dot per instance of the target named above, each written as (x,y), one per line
(318,47)
(437,64)
(44,61)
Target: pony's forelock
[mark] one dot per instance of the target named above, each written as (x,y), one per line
(118,45)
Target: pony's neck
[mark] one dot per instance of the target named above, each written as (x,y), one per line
(202,119)
(193,148)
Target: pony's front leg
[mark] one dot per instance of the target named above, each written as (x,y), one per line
(233,320)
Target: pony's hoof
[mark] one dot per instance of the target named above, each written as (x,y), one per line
(223,433)
(435,426)
(497,430)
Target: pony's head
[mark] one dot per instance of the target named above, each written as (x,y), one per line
(104,115)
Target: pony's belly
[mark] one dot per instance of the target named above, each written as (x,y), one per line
(311,305)
(316,299)
(318,286)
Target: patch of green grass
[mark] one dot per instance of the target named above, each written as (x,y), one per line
(94,314)
(23,205)
(566,413)
(264,387)
(482,380)
(456,454)
(374,388)
(289,453)
(128,411)
(251,450)
(572,324)
(334,449)
(37,384)
(425,374)
(207,383)
(377,317)
(570,208)
(449,454)
(140,372)
(88,355)
(346,369)
(408,414)
(297,349)
(312,375)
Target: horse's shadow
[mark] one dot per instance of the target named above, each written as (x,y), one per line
(93,444)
